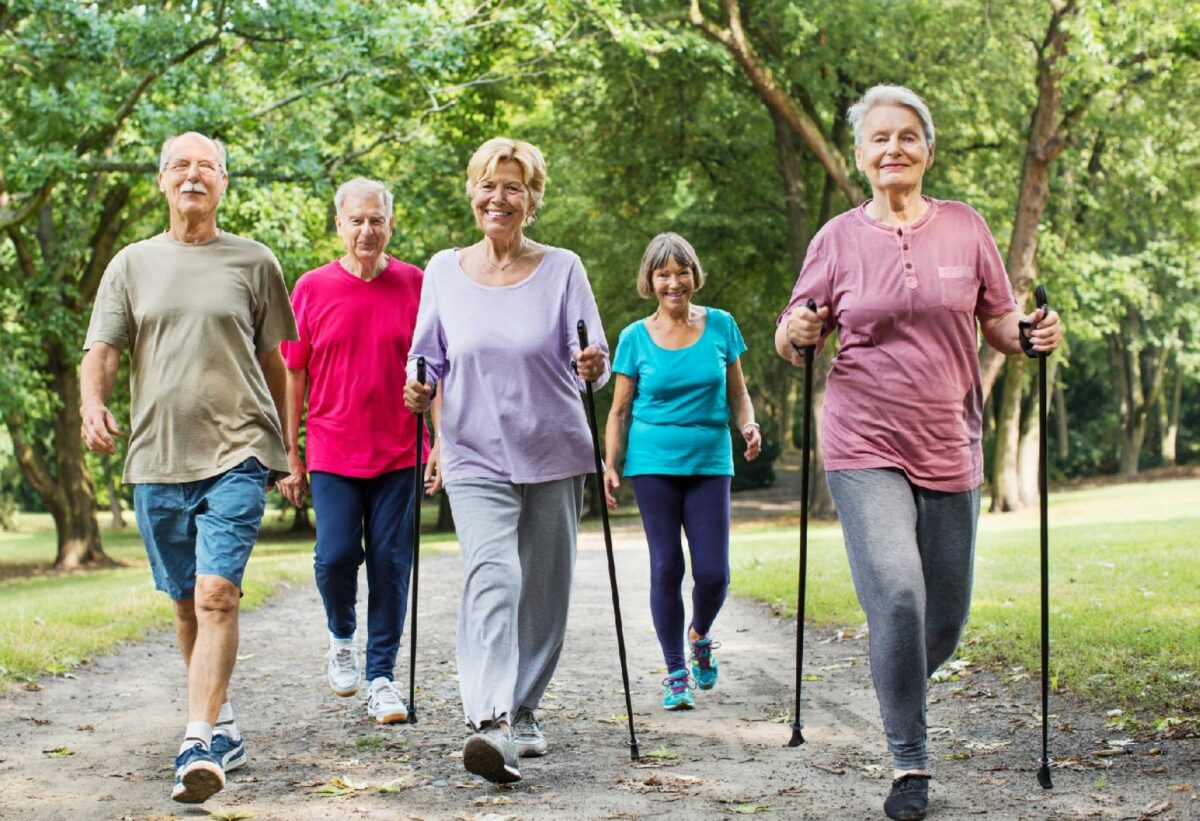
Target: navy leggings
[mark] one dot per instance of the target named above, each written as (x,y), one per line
(379,509)
(700,506)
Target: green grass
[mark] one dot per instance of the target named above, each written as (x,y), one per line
(1124,600)
(50,622)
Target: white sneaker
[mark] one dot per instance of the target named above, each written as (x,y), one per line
(343,669)
(384,703)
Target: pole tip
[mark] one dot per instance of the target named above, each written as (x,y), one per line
(797,736)
(633,750)
(412,716)
(1044,774)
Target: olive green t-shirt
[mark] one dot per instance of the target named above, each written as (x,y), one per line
(193,318)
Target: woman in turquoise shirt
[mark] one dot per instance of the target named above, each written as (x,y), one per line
(677,378)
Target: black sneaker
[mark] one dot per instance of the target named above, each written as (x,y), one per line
(492,754)
(908,800)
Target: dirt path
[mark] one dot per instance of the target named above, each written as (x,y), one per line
(121,716)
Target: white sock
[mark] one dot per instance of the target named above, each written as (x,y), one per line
(226,724)
(200,731)
(335,642)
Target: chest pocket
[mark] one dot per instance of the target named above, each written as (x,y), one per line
(958,287)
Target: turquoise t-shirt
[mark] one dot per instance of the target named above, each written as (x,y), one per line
(680,424)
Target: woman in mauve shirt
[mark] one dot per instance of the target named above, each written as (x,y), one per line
(904,278)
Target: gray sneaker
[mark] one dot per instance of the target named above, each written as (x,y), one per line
(342,669)
(527,735)
(492,754)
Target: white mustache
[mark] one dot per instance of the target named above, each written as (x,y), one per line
(193,188)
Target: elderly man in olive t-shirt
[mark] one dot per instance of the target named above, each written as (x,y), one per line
(202,313)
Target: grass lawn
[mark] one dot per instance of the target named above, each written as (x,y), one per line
(1124,597)
(50,622)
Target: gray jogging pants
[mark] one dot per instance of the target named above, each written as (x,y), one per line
(518,549)
(911,552)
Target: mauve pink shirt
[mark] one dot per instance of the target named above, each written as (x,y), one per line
(904,388)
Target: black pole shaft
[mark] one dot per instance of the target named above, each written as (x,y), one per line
(418,493)
(612,565)
(1044,500)
(806,446)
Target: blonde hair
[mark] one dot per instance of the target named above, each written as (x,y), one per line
(661,250)
(483,162)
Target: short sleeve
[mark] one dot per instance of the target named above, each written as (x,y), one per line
(995,289)
(296,353)
(274,321)
(626,359)
(735,344)
(815,281)
(111,322)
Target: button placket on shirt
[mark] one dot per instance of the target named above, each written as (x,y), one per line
(910,274)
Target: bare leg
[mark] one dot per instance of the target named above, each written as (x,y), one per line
(214,648)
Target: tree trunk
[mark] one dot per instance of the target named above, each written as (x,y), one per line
(1169,416)
(1006,491)
(301,524)
(820,500)
(1048,132)
(1060,420)
(1136,398)
(1027,452)
(114,503)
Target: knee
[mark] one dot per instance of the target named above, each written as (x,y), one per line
(712,582)
(185,611)
(904,606)
(215,596)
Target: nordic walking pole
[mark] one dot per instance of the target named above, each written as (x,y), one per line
(418,493)
(806,445)
(1043,775)
(581,328)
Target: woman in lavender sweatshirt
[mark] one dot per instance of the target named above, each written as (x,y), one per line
(497,329)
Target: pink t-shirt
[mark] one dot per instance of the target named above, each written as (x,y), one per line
(354,341)
(904,388)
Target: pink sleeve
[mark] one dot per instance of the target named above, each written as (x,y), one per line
(815,282)
(295,354)
(995,292)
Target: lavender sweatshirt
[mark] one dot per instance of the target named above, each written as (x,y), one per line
(501,357)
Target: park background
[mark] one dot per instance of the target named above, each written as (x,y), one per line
(1070,125)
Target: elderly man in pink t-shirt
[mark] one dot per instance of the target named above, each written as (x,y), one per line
(903,278)
(355,318)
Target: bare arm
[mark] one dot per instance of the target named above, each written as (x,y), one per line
(615,431)
(97,378)
(295,487)
(743,409)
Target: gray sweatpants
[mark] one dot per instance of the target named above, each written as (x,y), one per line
(518,548)
(911,553)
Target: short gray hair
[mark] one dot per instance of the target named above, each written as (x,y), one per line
(661,250)
(887,94)
(216,144)
(361,185)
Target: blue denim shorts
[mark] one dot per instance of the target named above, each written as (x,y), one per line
(204,528)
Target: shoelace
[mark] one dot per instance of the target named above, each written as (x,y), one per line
(679,684)
(702,652)
(343,659)
(526,724)
(386,695)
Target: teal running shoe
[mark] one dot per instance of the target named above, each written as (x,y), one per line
(704,664)
(677,691)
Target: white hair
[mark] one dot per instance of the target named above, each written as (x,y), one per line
(216,146)
(887,94)
(361,185)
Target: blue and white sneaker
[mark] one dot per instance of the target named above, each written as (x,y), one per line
(198,775)
(677,691)
(231,754)
(704,664)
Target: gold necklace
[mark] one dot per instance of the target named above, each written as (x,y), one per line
(505,266)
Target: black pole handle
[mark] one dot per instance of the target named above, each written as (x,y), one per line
(421,369)
(581,329)
(1024,326)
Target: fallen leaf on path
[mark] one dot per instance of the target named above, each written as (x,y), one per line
(338,787)
(958,756)
(466,785)
(393,786)
(661,753)
(1151,810)
(836,770)
(615,718)
(1179,787)
(230,815)
(58,752)
(499,799)
(661,783)
(39,722)
(749,809)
